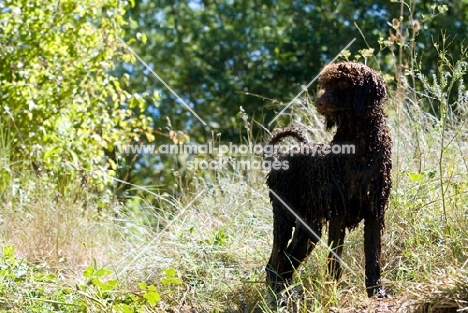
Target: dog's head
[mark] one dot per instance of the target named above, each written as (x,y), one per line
(349,90)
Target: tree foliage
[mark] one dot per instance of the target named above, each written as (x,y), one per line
(214,52)
(70,90)
(60,104)
(220,55)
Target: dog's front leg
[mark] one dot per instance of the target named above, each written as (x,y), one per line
(372,234)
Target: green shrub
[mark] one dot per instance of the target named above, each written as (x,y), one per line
(60,102)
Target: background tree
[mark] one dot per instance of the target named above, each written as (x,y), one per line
(220,55)
(61,107)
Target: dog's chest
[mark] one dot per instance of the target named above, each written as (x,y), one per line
(359,181)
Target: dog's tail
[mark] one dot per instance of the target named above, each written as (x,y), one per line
(277,136)
(281,133)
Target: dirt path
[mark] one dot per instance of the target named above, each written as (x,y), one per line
(400,305)
(393,305)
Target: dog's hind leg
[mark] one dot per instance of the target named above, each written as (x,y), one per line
(301,246)
(283,223)
(336,235)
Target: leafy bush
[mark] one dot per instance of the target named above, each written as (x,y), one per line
(60,103)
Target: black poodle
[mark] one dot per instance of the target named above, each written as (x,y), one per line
(320,185)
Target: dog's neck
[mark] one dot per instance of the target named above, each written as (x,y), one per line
(364,134)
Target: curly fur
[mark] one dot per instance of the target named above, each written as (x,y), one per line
(339,189)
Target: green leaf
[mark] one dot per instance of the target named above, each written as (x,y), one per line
(102,272)
(170,272)
(98,283)
(89,271)
(8,252)
(112,283)
(153,297)
(74,156)
(170,277)
(122,308)
(415,177)
(52,152)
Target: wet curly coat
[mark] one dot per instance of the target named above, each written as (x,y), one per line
(341,189)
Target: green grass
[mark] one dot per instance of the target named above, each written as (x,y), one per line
(208,255)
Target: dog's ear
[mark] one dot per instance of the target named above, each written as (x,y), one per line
(329,123)
(369,94)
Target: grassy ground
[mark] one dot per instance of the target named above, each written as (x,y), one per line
(63,253)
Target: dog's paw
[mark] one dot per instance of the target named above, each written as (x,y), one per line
(378,293)
(289,295)
(381,294)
